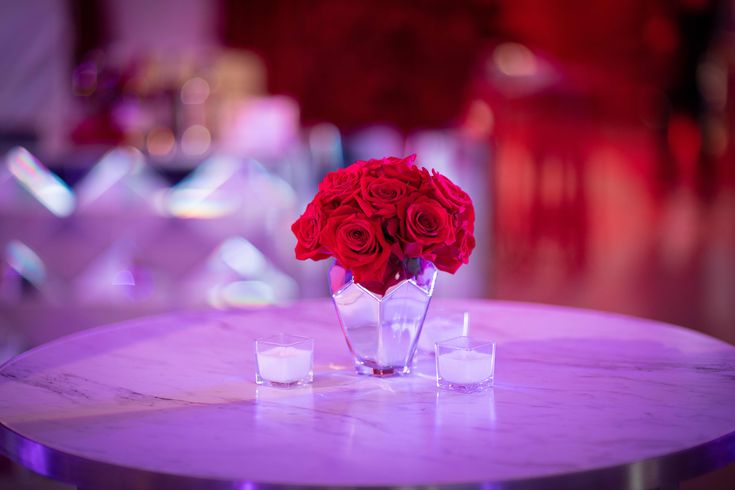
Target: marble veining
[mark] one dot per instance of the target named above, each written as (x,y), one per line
(574,390)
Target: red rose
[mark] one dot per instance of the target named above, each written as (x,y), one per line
(449,193)
(405,170)
(385,164)
(402,169)
(409,161)
(466,246)
(375,216)
(449,258)
(426,222)
(358,244)
(381,195)
(307,230)
(338,187)
(468,218)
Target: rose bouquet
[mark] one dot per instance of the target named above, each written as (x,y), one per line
(378,218)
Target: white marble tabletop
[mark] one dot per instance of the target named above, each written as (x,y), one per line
(581,399)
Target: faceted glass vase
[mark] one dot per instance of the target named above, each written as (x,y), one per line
(382,331)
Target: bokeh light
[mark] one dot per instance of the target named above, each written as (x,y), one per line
(160,142)
(40,182)
(196,140)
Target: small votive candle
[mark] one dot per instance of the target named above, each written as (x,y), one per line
(465,364)
(284,360)
(442,324)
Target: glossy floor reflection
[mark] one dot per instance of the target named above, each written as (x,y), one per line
(620,246)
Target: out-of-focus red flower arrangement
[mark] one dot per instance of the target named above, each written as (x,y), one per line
(378,217)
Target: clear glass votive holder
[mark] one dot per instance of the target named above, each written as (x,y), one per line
(442,324)
(284,361)
(465,364)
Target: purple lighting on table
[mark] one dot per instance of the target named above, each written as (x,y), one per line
(457,410)
(570,386)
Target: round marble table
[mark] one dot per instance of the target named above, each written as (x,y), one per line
(582,399)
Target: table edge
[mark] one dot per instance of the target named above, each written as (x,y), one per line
(84,472)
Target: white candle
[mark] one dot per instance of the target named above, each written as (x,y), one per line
(284,364)
(465,366)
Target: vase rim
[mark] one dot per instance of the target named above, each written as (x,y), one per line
(390,292)
(425,285)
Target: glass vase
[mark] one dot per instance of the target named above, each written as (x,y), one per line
(382,331)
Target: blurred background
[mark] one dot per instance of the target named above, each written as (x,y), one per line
(153,154)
